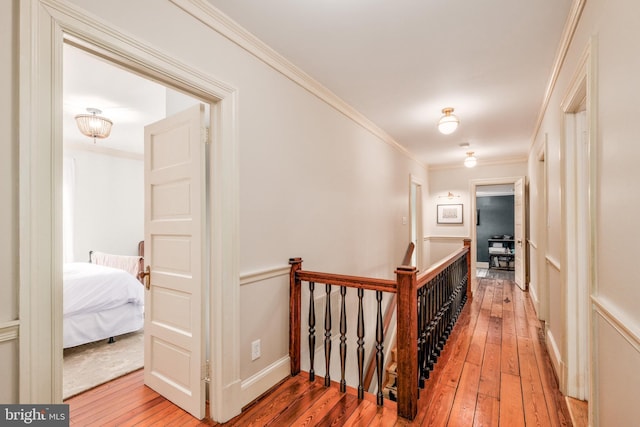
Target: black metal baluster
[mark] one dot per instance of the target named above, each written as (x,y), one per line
(380,348)
(343,340)
(422,336)
(327,336)
(360,333)
(312,331)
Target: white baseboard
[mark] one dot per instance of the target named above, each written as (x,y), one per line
(534,298)
(482,264)
(556,359)
(256,385)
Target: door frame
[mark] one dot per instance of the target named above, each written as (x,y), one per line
(473,184)
(580,253)
(419,220)
(44,26)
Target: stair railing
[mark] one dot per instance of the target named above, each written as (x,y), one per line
(388,315)
(428,305)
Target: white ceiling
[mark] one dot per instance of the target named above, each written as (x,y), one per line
(397,62)
(400,62)
(127,99)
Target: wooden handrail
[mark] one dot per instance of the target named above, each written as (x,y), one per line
(369,283)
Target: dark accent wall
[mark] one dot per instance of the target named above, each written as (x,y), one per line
(495,218)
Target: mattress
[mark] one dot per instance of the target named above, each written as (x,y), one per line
(99,302)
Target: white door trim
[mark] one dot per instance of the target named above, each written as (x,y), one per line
(44,25)
(580,276)
(419,220)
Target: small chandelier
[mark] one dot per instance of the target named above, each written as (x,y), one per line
(470,161)
(92,125)
(449,122)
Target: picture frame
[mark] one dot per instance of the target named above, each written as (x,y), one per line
(450,214)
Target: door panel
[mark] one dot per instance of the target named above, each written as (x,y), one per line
(519,233)
(174,225)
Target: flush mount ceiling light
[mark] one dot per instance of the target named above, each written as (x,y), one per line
(92,125)
(449,122)
(470,161)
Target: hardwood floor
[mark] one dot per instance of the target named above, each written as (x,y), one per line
(494,371)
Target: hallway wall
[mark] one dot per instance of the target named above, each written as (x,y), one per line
(315,182)
(442,239)
(610,27)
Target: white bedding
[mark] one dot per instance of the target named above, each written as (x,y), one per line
(100,302)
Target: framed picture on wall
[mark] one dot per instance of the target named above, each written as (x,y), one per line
(450,214)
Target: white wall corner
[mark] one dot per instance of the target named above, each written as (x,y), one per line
(232,401)
(259,383)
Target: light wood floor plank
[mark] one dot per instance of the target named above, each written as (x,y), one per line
(511,409)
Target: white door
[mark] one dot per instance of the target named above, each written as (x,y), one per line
(174,180)
(519,233)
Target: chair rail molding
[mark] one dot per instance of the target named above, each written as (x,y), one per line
(9,331)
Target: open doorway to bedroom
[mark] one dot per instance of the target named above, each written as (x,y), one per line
(103,214)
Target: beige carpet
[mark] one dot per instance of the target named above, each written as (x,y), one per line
(89,365)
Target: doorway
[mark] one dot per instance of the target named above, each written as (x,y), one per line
(519,232)
(495,244)
(44,33)
(415,214)
(103,210)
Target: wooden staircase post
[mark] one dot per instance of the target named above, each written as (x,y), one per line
(407,342)
(295,295)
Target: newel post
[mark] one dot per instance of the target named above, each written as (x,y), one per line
(467,244)
(407,342)
(294,315)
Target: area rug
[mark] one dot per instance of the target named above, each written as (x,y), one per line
(89,365)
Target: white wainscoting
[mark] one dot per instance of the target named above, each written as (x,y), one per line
(534,280)
(260,382)
(442,246)
(616,348)
(9,333)
(556,324)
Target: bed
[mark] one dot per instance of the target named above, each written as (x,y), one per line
(102,298)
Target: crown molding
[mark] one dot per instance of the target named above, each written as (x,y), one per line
(227,27)
(107,151)
(563,48)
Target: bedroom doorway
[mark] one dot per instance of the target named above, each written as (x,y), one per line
(103,210)
(46,27)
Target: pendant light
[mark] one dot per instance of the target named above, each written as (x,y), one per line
(449,122)
(470,161)
(93,125)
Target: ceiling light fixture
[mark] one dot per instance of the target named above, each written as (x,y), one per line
(92,125)
(449,122)
(470,161)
